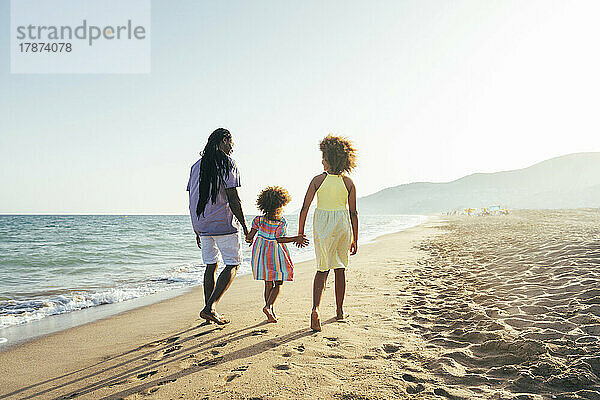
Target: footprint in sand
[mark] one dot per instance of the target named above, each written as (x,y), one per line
(282,367)
(287,354)
(232,377)
(163,342)
(258,332)
(444,393)
(236,373)
(414,389)
(144,375)
(165,382)
(409,378)
(214,352)
(208,362)
(300,348)
(172,349)
(391,348)
(122,382)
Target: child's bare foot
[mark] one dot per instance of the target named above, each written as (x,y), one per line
(273,312)
(340,315)
(270,316)
(315,322)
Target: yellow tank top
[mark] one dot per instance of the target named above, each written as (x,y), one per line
(332,194)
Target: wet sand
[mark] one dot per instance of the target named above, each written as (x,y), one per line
(459,308)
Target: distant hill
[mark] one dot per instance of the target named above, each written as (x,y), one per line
(570,181)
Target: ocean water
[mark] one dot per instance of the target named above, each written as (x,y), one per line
(57,264)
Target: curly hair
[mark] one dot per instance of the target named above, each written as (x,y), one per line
(339,153)
(271,200)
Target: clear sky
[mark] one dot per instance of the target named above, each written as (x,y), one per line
(428,90)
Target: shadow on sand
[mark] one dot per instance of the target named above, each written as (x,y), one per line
(160,353)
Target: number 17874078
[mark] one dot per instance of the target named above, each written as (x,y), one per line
(42,47)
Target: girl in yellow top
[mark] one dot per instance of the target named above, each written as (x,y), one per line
(335,222)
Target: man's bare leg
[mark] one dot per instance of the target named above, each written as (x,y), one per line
(223,282)
(209,281)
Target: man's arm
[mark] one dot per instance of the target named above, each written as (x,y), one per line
(250,236)
(236,207)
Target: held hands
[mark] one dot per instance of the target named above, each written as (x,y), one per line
(301,241)
(249,238)
(353,247)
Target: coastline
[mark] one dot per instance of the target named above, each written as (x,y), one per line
(92,277)
(91,346)
(15,335)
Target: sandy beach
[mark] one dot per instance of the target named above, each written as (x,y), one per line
(459,307)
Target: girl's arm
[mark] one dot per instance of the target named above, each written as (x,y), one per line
(296,239)
(250,234)
(353,214)
(308,198)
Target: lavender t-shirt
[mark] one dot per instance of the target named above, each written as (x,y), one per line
(217,218)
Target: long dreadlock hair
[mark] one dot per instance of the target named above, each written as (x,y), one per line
(214,168)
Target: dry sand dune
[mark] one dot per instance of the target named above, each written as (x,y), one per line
(462,308)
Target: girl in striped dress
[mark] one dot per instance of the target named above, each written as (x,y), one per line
(335,222)
(271,260)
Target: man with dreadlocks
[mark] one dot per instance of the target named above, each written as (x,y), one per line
(214,202)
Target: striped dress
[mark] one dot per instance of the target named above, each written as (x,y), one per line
(270,260)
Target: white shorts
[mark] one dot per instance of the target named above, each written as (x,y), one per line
(228,245)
